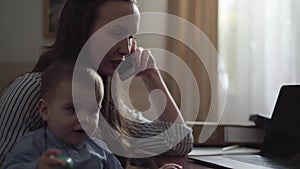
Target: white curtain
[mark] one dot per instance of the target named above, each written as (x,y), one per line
(259,45)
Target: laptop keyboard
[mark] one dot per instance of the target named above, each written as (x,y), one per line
(265,161)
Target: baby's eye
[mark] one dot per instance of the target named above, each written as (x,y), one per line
(71,109)
(94,110)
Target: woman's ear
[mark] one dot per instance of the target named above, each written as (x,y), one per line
(43,109)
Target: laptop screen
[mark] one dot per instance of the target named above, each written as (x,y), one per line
(282,137)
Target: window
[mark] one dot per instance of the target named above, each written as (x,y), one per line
(258,43)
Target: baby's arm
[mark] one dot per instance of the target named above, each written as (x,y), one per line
(48,160)
(29,153)
(31,160)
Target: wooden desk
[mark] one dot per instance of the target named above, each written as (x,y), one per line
(183,161)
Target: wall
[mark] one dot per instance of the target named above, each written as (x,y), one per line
(21,36)
(21,33)
(21,30)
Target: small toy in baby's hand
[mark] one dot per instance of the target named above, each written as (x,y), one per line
(68,161)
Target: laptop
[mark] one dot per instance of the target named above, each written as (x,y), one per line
(281,145)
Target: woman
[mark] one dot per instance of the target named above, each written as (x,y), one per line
(79,20)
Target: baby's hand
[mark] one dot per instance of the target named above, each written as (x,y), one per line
(48,160)
(171,166)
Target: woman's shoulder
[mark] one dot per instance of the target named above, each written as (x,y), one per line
(28,84)
(27,79)
(25,82)
(35,76)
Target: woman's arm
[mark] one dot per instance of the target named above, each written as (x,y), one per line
(169,134)
(159,137)
(153,80)
(149,73)
(18,111)
(165,138)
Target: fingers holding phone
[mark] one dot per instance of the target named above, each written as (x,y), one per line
(143,59)
(136,63)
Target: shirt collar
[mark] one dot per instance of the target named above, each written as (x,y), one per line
(62,145)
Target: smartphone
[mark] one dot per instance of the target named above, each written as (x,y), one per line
(127,68)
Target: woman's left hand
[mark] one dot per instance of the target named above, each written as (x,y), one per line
(171,166)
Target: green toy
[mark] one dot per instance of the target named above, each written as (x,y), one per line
(67,160)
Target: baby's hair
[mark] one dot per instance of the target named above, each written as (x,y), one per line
(62,70)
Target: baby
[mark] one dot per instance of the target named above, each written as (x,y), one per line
(69,124)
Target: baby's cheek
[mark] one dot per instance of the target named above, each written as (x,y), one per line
(91,127)
(94,125)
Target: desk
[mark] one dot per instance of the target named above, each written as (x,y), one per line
(191,164)
(183,161)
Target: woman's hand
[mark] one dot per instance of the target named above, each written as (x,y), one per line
(143,61)
(171,166)
(48,160)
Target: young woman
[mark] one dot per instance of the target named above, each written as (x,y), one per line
(79,20)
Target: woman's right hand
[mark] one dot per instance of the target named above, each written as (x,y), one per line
(143,59)
(48,160)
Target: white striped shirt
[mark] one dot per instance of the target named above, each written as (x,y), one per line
(19,115)
(18,111)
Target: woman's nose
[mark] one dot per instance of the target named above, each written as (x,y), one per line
(125,47)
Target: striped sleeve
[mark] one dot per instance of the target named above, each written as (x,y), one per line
(161,137)
(18,111)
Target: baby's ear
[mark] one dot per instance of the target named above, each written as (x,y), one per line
(43,109)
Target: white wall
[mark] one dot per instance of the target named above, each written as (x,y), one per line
(21,29)
(153,5)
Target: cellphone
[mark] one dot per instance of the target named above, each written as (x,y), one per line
(127,68)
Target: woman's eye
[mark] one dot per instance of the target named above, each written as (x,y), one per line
(131,37)
(117,33)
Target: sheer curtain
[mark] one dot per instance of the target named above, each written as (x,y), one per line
(259,45)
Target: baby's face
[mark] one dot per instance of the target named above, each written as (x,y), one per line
(70,122)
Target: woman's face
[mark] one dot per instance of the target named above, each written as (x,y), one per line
(109,15)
